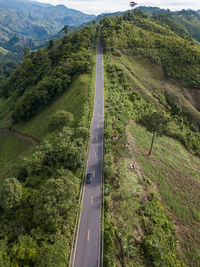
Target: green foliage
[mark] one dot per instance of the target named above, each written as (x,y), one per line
(37,231)
(179,57)
(8,64)
(56,203)
(159,243)
(185,23)
(25,251)
(157,122)
(54,255)
(4,257)
(47,73)
(11,193)
(60,119)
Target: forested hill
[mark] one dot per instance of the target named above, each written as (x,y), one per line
(49,96)
(167,45)
(189,20)
(46,73)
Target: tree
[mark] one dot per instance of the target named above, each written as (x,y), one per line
(54,255)
(26,51)
(60,119)
(132,4)
(11,193)
(25,251)
(56,203)
(65,29)
(50,44)
(156,123)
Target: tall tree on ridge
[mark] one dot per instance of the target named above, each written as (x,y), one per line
(133,4)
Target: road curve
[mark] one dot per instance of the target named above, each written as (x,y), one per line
(87,246)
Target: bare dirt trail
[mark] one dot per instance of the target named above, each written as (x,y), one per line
(131,147)
(21,135)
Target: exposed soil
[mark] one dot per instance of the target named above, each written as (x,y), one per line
(131,144)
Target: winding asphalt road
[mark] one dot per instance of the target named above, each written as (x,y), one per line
(87,246)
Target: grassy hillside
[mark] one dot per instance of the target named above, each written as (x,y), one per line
(50,173)
(152,208)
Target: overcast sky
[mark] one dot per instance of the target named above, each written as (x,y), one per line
(101,6)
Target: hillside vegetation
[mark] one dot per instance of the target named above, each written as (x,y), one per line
(189,20)
(133,34)
(152,208)
(39,186)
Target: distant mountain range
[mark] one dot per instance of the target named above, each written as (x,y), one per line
(24,22)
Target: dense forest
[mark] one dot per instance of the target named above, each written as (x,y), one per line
(40,201)
(8,63)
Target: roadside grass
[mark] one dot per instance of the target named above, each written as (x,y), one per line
(176,174)
(73,100)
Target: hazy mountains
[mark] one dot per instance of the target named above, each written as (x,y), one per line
(26,22)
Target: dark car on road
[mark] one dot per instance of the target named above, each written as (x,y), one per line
(88,178)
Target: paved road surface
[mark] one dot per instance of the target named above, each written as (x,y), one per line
(87,247)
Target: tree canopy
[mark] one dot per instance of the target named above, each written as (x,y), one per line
(11,193)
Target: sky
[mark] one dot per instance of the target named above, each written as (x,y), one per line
(104,6)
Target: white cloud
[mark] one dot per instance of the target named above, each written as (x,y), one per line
(101,6)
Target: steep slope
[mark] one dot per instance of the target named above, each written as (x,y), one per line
(50,173)
(151,205)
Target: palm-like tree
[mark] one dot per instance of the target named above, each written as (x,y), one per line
(132,4)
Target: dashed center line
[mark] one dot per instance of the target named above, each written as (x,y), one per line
(91,199)
(93,174)
(88,235)
(95,154)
